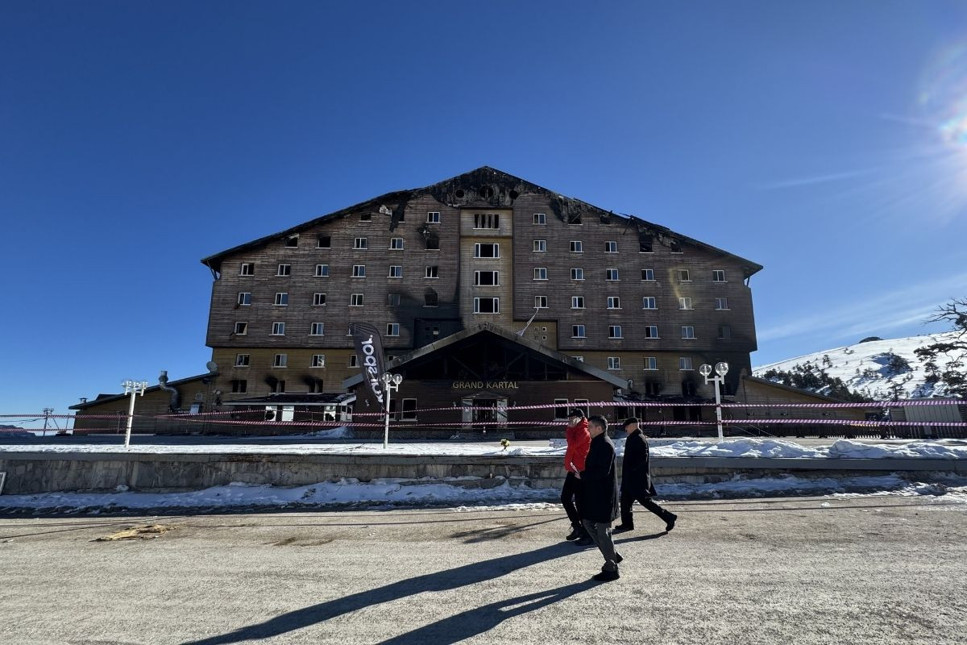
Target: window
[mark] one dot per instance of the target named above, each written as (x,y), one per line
(683,275)
(684,303)
(318,299)
(614,302)
(396,271)
(409,410)
(486,250)
(648,274)
(685,363)
(323,242)
(610,247)
(284,270)
(675,247)
(281,360)
(614,331)
(318,360)
(611,275)
(317,329)
(486,220)
(651,363)
(360,243)
(244,298)
(239,385)
(356,300)
(393,299)
(433,217)
(396,244)
(241,329)
(432,272)
(578,331)
(432,243)
(247,268)
(577,302)
(486,278)
(725,332)
(540,219)
(322,271)
(649,302)
(718,275)
(721,303)
(577,246)
(688,332)
(540,302)
(278,329)
(353,360)
(486,305)
(282,299)
(392,329)
(366,216)
(359,270)
(560,408)
(292,242)
(540,246)
(540,273)
(577,274)
(242,360)
(653,388)
(645,245)
(651,331)
(575,219)
(614,362)
(430,298)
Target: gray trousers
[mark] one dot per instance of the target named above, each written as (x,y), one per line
(600,533)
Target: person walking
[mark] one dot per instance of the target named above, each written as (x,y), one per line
(636,482)
(578,441)
(600,503)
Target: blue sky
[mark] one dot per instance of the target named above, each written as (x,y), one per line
(824,140)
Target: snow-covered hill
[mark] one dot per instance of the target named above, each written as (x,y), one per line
(876,369)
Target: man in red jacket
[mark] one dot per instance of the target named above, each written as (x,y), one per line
(578,443)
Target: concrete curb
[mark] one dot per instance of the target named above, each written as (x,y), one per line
(43,472)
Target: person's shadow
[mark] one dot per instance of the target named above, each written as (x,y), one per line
(457,627)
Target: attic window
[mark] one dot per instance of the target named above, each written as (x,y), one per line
(486,191)
(292,241)
(645,245)
(576,219)
(365,217)
(324,242)
(459,194)
(675,247)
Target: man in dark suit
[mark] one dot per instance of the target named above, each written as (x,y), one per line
(636,484)
(599,481)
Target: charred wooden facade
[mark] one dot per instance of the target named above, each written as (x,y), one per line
(631,299)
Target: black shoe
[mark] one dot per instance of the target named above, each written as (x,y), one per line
(621,528)
(575,533)
(606,576)
(585,541)
(670,521)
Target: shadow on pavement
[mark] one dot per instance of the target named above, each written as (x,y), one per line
(477,620)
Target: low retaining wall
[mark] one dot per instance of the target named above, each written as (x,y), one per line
(45,472)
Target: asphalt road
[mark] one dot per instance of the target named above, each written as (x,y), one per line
(878,570)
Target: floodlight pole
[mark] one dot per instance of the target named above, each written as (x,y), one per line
(133,388)
(721,369)
(391,382)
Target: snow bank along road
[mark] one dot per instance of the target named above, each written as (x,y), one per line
(840,569)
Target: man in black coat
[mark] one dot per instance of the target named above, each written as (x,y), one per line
(636,484)
(600,495)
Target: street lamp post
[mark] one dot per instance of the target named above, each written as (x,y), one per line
(391,382)
(47,413)
(721,369)
(132,388)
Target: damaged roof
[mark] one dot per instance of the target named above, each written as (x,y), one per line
(484,187)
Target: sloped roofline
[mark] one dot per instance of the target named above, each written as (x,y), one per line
(107,398)
(482,175)
(789,388)
(570,361)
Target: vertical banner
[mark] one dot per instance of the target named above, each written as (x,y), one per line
(369,353)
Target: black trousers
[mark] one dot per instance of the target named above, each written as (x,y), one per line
(628,498)
(571,498)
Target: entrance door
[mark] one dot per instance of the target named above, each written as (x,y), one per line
(491,413)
